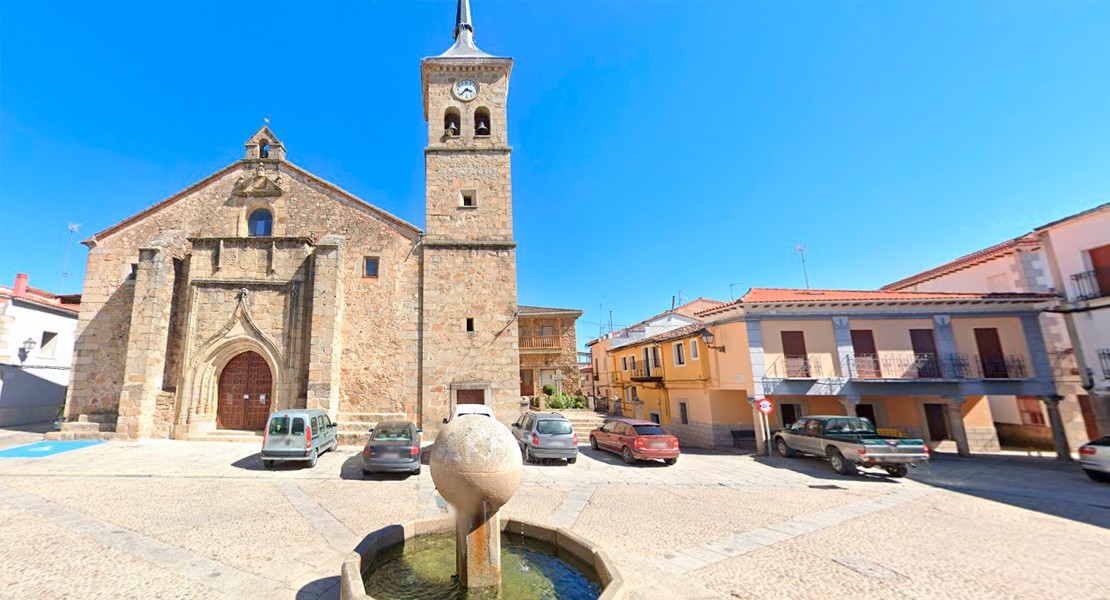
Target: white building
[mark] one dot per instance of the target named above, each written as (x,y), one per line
(37,331)
(1066,255)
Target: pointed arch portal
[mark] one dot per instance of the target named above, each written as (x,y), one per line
(245,392)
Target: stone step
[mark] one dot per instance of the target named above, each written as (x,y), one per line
(352,439)
(79,427)
(228,435)
(80,435)
(98,418)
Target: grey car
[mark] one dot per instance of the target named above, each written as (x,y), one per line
(393,447)
(546,435)
(297,435)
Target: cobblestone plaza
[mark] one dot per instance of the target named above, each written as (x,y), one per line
(168,519)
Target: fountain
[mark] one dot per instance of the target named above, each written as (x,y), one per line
(476,467)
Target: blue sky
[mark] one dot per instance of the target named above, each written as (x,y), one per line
(659,148)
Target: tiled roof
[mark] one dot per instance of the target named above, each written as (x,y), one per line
(44,298)
(674,334)
(1008,247)
(795,296)
(1075,216)
(526,311)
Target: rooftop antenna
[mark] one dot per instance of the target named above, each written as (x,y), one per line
(802,249)
(73,227)
(732,285)
(682,296)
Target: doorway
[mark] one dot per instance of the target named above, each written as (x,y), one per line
(867,411)
(937,422)
(527,384)
(790,413)
(470,396)
(246,392)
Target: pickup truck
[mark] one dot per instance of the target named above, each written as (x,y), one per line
(848,443)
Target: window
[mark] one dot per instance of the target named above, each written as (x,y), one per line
(49,345)
(547,330)
(279,425)
(452,123)
(632,362)
(683,414)
(693,349)
(1031,413)
(134,272)
(396,433)
(679,354)
(469,199)
(260,223)
(624,363)
(649,430)
(554,427)
(298,426)
(470,323)
(654,417)
(370,267)
(481,122)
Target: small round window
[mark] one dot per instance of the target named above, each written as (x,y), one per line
(260,223)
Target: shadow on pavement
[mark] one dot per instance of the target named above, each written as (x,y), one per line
(1044,485)
(326,588)
(352,470)
(613,459)
(819,468)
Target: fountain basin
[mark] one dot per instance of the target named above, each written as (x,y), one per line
(353,588)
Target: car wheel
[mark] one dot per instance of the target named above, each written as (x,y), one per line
(312,459)
(1095,475)
(593,443)
(366,473)
(898,471)
(571,461)
(670,461)
(840,464)
(784,450)
(626,454)
(416,471)
(267,464)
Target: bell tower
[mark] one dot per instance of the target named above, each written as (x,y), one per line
(469,331)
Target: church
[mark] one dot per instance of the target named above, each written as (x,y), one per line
(263,288)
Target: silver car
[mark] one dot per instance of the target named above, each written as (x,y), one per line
(546,435)
(297,435)
(1094,457)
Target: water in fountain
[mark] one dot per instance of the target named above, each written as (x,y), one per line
(424,569)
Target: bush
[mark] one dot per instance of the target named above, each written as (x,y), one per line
(565,401)
(548,390)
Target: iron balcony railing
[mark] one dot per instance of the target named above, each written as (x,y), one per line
(642,371)
(1104,360)
(796,367)
(1008,367)
(539,342)
(1092,284)
(906,366)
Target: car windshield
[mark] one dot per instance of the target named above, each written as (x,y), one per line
(554,427)
(849,425)
(650,430)
(298,426)
(392,434)
(279,426)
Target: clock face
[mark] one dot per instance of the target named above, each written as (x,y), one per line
(466,89)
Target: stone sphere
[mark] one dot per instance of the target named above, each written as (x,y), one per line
(476,459)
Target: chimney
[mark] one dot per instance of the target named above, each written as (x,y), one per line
(20,285)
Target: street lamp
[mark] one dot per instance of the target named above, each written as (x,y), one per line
(708,338)
(28,345)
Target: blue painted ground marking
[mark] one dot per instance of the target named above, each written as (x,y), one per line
(41,449)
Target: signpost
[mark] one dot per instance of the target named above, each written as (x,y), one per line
(766,407)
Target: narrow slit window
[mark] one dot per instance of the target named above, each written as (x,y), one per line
(370,267)
(470,323)
(468,199)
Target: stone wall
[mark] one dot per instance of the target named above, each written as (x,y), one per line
(379,350)
(982,439)
(704,435)
(566,361)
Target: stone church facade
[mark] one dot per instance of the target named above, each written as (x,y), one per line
(264,288)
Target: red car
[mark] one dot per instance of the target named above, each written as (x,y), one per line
(635,440)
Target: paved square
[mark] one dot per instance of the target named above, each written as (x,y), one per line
(162,519)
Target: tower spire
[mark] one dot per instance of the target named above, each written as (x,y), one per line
(462,18)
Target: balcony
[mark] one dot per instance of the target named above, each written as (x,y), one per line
(1092,284)
(643,372)
(796,367)
(541,343)
(906,366)
(903,366)
(1104,361)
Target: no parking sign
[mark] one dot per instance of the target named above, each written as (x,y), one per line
(765,406)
